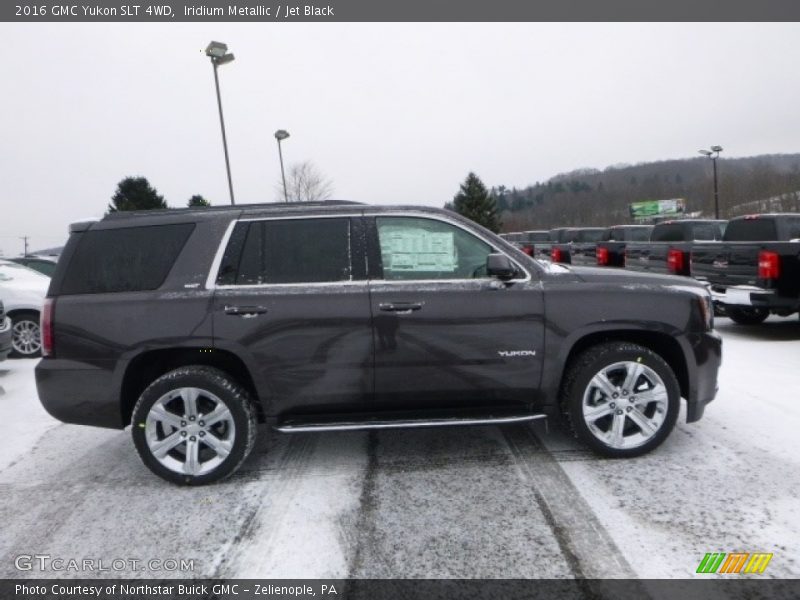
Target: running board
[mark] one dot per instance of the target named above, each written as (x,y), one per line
(403,423)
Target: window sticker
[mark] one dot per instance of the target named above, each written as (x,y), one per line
(417,250)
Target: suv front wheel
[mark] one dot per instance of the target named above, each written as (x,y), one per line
(621,399)
(194,425)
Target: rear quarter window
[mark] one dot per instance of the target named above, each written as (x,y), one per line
(672,232)
(129,259)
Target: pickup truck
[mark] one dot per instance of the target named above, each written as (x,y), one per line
(670,245)
(556,236)
(578,246)
(755,270)
(611,251)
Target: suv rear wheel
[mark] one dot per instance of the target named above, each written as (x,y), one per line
(194,425)
(621,399)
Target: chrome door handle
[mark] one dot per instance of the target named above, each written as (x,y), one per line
(245,311)
(402,308)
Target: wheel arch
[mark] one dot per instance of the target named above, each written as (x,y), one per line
(146,367)
(663,344)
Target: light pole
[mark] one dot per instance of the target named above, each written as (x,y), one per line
(713,154)
(281,135)
(219,55)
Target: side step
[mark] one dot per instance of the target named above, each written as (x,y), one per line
(305,427)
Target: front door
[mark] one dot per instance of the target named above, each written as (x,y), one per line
(447,335)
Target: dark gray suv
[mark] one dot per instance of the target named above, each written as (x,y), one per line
(194,325)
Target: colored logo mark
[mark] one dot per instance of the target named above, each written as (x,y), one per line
(734,562)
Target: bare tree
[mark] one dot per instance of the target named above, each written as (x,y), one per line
(305,183)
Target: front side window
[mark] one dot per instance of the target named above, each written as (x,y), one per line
(287,251)
(419,249)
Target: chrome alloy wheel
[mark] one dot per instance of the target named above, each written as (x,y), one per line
(26,339)
(190,431)
(625,404)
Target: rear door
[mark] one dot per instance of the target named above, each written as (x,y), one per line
(291,296)
(445,334)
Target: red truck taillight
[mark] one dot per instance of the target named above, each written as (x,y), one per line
(46,326)
(528,250)
(676,261)
(602,256)
(556,255)
(769,265)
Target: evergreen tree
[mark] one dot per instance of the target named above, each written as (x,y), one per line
(135,193)
(197,200)
(474,202)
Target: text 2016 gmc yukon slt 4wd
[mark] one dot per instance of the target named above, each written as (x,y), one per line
(193,326)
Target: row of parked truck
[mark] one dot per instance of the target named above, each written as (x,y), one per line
(751,264)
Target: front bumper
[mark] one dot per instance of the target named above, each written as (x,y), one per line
(5,337)
(706,350)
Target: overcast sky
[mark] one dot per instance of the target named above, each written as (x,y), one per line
(389,112)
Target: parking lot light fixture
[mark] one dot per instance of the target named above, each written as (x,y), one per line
(713,154)
(219,55)
(281,135)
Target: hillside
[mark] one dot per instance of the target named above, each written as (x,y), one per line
(594,197)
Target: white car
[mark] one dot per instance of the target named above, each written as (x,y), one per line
(22,291)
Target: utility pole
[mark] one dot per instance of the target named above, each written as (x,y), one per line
(24,238)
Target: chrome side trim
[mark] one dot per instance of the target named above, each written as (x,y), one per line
(212,275)
(399,424)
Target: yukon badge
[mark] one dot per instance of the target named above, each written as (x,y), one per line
(513,353)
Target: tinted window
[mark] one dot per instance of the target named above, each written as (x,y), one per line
(124,260)
(706,231)
(672,232)
(751,230)
(537,236)
(416,248)
(287,251)
(591,235)
(639,234)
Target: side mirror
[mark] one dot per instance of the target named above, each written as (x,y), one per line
(500,266)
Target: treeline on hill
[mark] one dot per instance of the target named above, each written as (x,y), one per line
(588,197)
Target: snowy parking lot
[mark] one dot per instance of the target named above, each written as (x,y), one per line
(482,502)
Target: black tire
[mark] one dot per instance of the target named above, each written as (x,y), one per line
(746,315)
(578,382)
(23,325)
(237,431)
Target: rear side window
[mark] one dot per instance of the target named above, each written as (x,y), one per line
(287,251)
(129,259)
(751,230)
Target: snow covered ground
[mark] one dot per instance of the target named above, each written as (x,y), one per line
(487,502)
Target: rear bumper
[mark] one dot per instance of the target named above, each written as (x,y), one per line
(5,337)
(706,351)
(749,295)
(77,392)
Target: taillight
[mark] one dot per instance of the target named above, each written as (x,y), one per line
(602,256)
(556,255)
(676,261)
(528,250)
(769,265)
(46,326)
